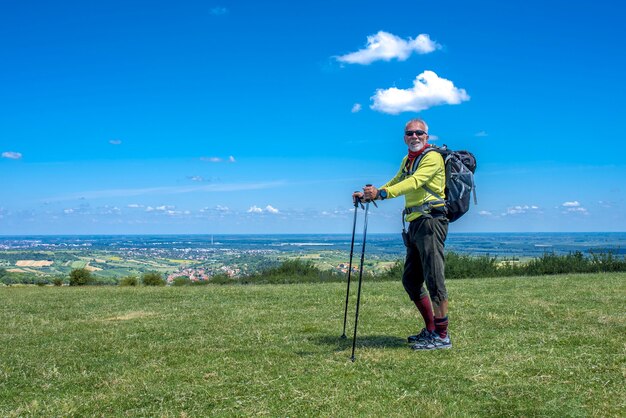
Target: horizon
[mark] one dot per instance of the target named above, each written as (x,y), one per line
(358,234)
(154,118)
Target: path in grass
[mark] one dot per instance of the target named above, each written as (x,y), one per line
(525,346)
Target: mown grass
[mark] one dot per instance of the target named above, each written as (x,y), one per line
(538,346)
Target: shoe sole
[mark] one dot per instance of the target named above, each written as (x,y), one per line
(441,347)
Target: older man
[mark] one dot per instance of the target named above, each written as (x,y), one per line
(421,180)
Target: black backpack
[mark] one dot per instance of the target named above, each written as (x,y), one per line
(460,168)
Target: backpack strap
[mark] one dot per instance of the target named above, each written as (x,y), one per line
(416,163)
(425,208)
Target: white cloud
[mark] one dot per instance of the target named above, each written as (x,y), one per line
(268,209)
(195,178)
(579,210)
(231,159)
(428,90)
(211,159)
(521,209)
(218,208)
(485,213)
(433,137)
(165,208)
(134,206)
(387,46)
(68,211)
(177,212)
(149,209)
(115,142)
(574,207)
(356,108)
(481,134)
(12,155)
(219,11)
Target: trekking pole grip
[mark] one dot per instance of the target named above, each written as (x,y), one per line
(373,201)
(355,201)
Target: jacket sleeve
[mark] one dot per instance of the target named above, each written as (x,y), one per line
(430,165)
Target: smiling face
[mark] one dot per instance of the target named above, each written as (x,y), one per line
(416,140)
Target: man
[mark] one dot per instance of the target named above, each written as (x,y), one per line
(423,189)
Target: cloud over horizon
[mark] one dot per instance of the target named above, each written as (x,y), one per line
(428,90)
(268,209)
(574,207)
(386,46)
(11,155)
(271,209)
(521,209)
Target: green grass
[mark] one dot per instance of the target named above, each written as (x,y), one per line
(533,346)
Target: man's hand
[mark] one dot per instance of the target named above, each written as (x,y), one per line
(370,193)
(357,197)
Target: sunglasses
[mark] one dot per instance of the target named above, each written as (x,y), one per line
(418,133)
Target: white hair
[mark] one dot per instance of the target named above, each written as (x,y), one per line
(416,120)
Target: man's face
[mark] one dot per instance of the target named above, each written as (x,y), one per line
(416,140)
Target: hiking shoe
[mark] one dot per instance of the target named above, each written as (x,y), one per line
(421,337)
(435,342)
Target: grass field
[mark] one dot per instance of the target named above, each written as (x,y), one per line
(538,346)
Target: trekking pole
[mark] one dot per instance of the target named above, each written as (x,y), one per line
(345,313)
(358,298)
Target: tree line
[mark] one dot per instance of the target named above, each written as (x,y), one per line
(458,266)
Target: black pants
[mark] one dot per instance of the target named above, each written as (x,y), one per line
(425,260)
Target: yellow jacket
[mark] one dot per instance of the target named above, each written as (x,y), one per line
(430,171)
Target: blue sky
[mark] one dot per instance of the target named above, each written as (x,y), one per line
(263,117)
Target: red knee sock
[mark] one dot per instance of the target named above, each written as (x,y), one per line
(426,309)
(441,326)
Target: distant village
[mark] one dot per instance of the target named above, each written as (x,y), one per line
(202,274)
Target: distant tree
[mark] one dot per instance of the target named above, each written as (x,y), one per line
(3,272)
(181,281)
(129,281)
(152,278)
(221,278)
(57,281)
(81,277)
